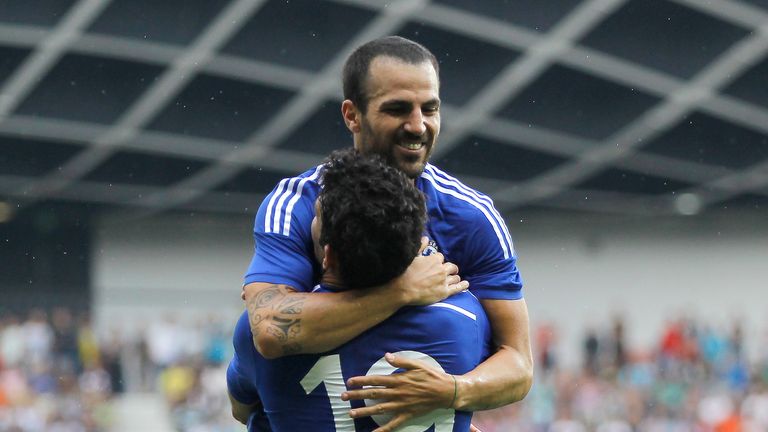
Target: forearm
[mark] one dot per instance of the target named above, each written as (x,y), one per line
(241,411)
(285,322)
(502,379)
(507,375)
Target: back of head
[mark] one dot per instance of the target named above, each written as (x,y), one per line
(356,68)
(372,217)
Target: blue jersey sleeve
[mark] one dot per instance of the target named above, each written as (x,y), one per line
(493,273)
(283,253)
(472,234)
(239,383)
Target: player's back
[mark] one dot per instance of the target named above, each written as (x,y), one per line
(303,392)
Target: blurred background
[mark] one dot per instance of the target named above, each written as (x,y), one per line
(624,141)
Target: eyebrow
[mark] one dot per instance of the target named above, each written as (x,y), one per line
(399,102)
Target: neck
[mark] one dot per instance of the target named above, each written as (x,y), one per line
(332,279)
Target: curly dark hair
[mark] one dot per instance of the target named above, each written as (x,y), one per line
(355,73)
(372,216)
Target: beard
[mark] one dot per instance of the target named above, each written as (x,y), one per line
(412,166)
(387,147)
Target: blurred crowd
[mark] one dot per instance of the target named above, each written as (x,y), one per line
(57,374)
(54,373)
(696,378)
(187,363)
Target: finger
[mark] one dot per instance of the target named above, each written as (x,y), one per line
(453,279)
(450,268)
(473,428)
(434,259)
(393,424)
(372,380)
(402,362)
(377,393)
(382,408)
(457,288)
(424,244)
(242,294)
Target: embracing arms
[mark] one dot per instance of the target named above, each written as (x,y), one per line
(505,377)
(285,322)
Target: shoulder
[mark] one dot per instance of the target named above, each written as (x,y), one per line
(458,203)
(444,188)
(299,185)
(292,198)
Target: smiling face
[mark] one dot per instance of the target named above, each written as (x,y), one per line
(402,119)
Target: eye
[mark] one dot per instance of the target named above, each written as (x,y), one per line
(396,109)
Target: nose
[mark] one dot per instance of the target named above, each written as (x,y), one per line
(415,124)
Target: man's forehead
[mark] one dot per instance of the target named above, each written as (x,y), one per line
(390,74)
(388,60)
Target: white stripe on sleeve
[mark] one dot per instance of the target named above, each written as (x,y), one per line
(270,207)
(446,179)
(483,209)
(279,206)
(294,199)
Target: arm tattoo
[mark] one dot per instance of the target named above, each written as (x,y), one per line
(277,312)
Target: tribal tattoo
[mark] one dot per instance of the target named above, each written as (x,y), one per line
(278,314)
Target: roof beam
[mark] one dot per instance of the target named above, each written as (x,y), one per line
(753,180)
(652,123)
(735,12)
(610,67)
(521,72)
(461,22)
(290,162)
(125,194)
(47,51)
(129,49)
(582,58)
(238,203)
(182,70)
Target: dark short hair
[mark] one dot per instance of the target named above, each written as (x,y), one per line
(355,74)
(372,216)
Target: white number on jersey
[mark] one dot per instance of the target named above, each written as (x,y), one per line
(327,370)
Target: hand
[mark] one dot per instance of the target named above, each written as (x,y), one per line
(473,428)
(428,280)
(417,391)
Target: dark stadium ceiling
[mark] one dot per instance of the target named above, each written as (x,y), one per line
(637,107)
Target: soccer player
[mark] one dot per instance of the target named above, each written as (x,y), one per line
(392,108)
(367,229)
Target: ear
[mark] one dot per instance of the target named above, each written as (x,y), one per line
(329,258)
(352,116)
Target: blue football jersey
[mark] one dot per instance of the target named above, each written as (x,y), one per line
(303,392)
(462,221)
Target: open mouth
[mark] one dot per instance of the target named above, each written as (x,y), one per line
(412,146)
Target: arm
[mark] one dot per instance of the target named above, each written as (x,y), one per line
(285,322)
(503,378)
(506,376)
(241,411)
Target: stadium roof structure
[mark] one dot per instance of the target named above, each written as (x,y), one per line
(632,107)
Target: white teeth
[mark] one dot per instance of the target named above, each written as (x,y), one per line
(413,146)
